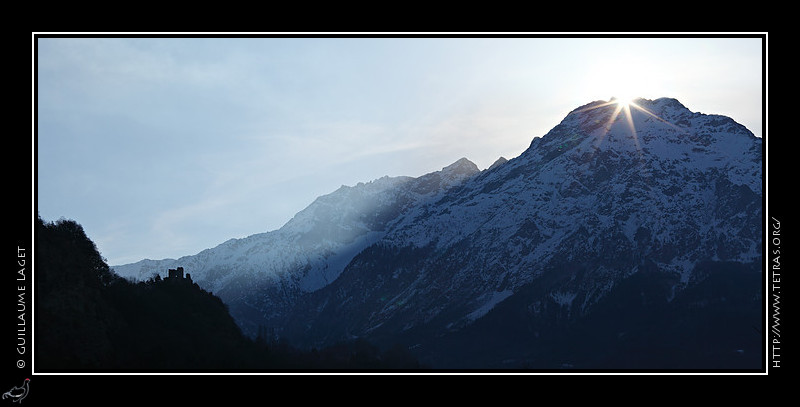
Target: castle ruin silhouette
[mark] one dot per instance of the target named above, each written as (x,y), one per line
(177,274)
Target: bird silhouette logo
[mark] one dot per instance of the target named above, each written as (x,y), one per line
(18,393)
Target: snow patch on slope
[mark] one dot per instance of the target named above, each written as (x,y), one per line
(494,299)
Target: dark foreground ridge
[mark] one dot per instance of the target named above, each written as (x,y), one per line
(91,320)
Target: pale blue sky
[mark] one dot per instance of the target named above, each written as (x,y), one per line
(164,147)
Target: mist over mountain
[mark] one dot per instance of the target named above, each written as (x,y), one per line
(623,238)
(265,273)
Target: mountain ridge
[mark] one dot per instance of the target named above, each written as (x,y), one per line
(587,199)
(311,249)
(609,193)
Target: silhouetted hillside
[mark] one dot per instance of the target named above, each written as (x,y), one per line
(89,319)
(640,325)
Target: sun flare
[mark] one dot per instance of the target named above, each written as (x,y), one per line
(624,102)
(623,107)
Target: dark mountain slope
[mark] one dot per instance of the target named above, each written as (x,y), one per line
(90,320)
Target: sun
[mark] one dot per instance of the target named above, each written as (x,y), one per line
(623,107)
(624,101)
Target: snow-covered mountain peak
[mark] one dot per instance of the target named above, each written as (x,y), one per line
(500,161)
(662,126)
(601,158)
(462,166)
(608,192)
